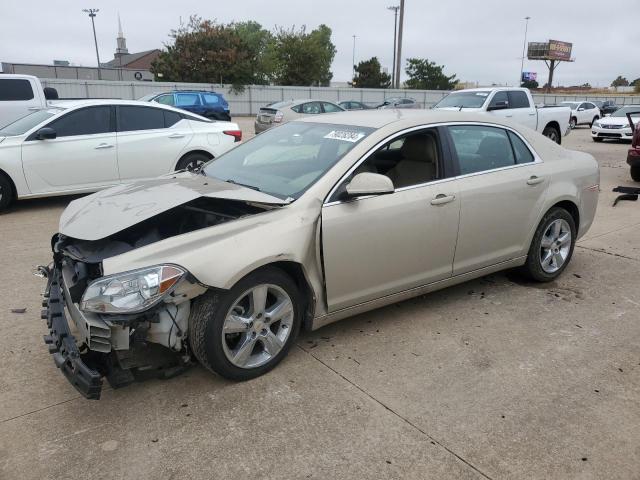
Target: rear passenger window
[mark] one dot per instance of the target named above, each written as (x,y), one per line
(211,99)
(522,152)
(518,99)
(132,118)
(187,99)
(481,148)
(171,118)
(85,121)
(13,89)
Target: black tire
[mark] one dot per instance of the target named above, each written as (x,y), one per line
(597,140)
(207,318)
(595,119)
(532,269)
(635,173)
(552,133)
(573,123)
(6,192)
(191,161)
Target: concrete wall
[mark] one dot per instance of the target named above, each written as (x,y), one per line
(76,73)
(254,97)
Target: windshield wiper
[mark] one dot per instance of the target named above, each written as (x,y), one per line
(252,187)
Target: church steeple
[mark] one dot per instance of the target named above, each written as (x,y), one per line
(121,41)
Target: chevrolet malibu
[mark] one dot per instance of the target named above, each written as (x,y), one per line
(308,223)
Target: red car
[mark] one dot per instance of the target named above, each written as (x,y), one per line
(633,156)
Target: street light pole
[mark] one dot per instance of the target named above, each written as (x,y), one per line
(353,61)
(399,55)
(524,47)
(92,14)
(395,45)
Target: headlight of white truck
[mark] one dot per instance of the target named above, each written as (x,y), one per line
(131,292)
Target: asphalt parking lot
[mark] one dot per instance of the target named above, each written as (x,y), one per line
(495,378)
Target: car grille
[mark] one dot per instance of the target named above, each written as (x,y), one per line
(612,127)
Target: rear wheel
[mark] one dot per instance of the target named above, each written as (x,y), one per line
(6,192)
(573,123)
(192,161)
(245,332)
(635,173)
(552,246)
(552,134)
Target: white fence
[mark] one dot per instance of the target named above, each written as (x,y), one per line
(253,97)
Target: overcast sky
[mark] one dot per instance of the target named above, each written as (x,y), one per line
(478,41)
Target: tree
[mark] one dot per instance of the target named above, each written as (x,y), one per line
(426,75)
(530,84)
(204,51)
(369,74)
(301,58)
(620,82)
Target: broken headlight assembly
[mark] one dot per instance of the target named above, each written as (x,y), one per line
(131,292)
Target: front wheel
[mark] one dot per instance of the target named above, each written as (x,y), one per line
(595,119)
(552,246)
(635,173)
(6,192)
(573,123)
(552,134)
(245,332)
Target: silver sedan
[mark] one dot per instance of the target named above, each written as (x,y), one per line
(304,225)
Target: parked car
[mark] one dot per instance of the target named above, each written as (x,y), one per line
(210,105)
(83,146)
(582,113)
(287,110)
(633,156)
(354,105)
(606,107)
(616,126)
(275,236)
(398,102)
(21,95)
(512,103)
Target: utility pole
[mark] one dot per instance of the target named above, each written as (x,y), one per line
(524,47)
(395,44)
(353,62)
(92,14)
(399,55)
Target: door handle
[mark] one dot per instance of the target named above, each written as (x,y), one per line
(176,135)
(534,180)
(533,114)
(102,146)
(509,116)
(441,199)
(33,109)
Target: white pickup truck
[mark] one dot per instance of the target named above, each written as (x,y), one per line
(21,95)
(513,103)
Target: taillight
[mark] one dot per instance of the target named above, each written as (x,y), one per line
(278,117)
(236,134)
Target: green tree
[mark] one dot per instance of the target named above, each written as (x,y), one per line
(620,82)
(301,58)
(426,75)
(530,84)
(204,51)
(369,74)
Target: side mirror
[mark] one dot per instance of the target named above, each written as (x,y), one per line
(498,106)
(366,183)
(46,133)
(581,109)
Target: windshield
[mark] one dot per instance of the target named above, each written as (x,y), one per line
(287,160)
(24,124)
(622,112)
(463,99)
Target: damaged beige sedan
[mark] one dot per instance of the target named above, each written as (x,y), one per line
(306,224)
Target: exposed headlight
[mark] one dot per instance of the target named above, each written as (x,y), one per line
(597,124)
(131,292)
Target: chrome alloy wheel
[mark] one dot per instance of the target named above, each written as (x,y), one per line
(555,246)
(257,326)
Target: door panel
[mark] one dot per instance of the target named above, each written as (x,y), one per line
(381,245)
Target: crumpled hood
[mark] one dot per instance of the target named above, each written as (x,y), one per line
(614,121)
(114,209)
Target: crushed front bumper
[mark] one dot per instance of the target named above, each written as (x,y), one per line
(62,344)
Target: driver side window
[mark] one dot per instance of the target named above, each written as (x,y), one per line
(500,98)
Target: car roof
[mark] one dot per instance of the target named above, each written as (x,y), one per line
(73,104)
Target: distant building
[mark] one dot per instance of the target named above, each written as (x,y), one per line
(132,61)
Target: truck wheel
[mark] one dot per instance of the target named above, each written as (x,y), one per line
(635,173)
(246,331)
(6,192)
(552,246)
(552,133)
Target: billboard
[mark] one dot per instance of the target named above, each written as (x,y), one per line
(560,50)
(529,76)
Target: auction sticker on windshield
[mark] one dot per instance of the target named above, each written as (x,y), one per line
(345,135)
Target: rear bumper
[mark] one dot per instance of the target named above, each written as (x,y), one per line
(62,344)
(261,127)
